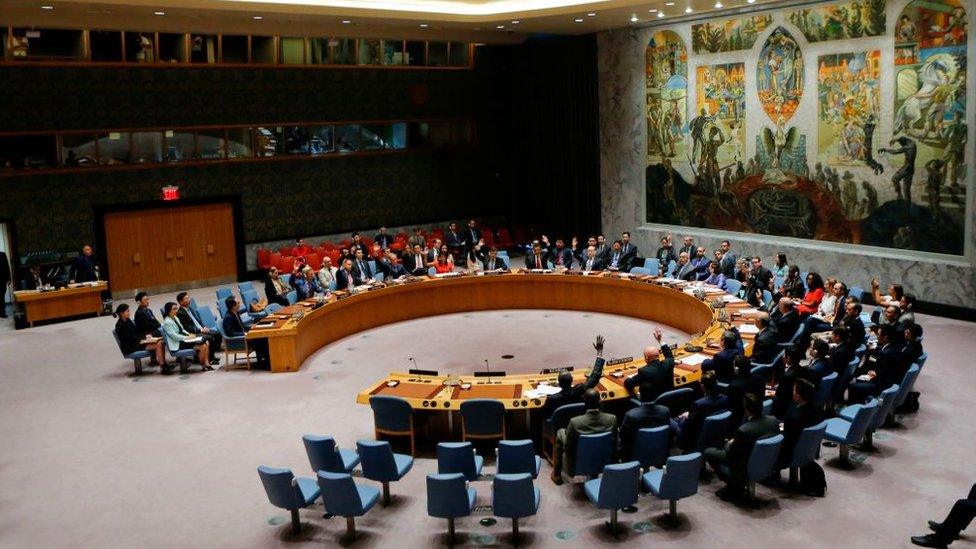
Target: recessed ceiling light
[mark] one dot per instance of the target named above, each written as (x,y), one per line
(159,13)
(652,10)
(516,22)
(633,18)
(688,9)
(47,7)
(591,14)
(500,27)
(346,21)
(669,3)
(751,1)
(578,20)
(718,5)
(660,14)
(257,18)
(423,25)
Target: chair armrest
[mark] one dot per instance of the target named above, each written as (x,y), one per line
(848,412)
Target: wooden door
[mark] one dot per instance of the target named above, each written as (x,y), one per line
(173,246)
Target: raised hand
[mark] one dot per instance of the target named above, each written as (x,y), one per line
(658,334)
(598,344)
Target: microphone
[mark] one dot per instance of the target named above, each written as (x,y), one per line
(414,363)
(487,367)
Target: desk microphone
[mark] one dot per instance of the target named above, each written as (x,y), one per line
(488,368)
(414,363)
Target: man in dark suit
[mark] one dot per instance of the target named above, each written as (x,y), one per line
(414,262)
(841,352)
(383,239)
(579,252)
(656,376)
(455,241)
(361,269)
(84,266)
(492,262)
(688,425)
(390,266)
(700,263)
(592,422)
(765,346)
(883,367)
(538,259)
(803,414)
(786,318)
(275,289)
(744,384)
(792,371)
(34,280)
(234,327)
(647,415)
(472,234)
(192,325)
(721,363)
(688,247)
(602,248)
(4,283)
(145,319)
(684,269)
(852,321)
(615,260)
(760,278)
(345,279)
(912,349)
(728,260)
(572,394)
(560,255)
(628,250)
(592,261)
(960,517)
(735,455)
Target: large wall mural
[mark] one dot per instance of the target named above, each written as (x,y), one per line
(768,151)
(667,92)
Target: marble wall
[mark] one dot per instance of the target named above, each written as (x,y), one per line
(623,136)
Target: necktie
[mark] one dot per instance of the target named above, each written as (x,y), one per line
(616,257)
(559,259)
(420,262)
(538,262)
(589,264)
(491,265)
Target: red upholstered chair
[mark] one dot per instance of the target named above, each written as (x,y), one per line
(488,235)
(314,261)
(264,258)
(345,243)
(274,259)
(328,246)
(401,236)
(334,256)
(397,246)
(438,233)
(286,264)
(285,250)
(521,234)
(505,239)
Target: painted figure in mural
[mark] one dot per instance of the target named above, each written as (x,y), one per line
(818,175)
(849,195)
(778,143)
(933,185)
(697,128)
(780,74)
(906,29)
(955,32)
(735,139)
(902,180)
(870,199)
(956,135)
(869,125)
(939,83)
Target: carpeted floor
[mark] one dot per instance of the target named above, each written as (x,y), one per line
(91,457)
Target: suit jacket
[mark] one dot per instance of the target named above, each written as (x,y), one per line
(701,267)
(187,322)
(361,272)
(174,333)
(888,363)
(728,265)
(4,270)
(597,265)
(721,363)
(271,292)
(500,263)
(129,336)
(384,240)
(31,283)
(690,250)
(306,288)
(414,266)
(686,272)
(530,261)
(471,236)
(737,390)
(326,277)
(690,427)
(765,347)
(657,377)
(454,240)
(345,280)
(740,447)
(646,415)
(856,331)
(603,251)
(840,356)
(911,352)
(630,254)
(565,254)
(82,269)
(622,264)
(786,324)
(590,423)
(798,419)
(665,254)
(574,394)
(389,269)
(146,322)
(417,239)
(233,325)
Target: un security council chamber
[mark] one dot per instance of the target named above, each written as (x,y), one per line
(487,273)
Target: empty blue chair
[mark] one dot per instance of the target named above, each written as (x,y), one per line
(324,455)
(392,416)
(767,406)
(223,294)
(380,464)
(762,461)
(732,286)
(651,446)
(676,400)
(845,432)
(615,489)
(247,299)
(825,390)
(652,264)
(517,456)
(514,496)
(136,356)
(678,480)
(482,418)
(288,492)
(558,420)
(234,347)
(672,267)
(887,403)
(448,497)
(713,431)
(807,448)
(593,452)
(344,498)
(207,318)
(459,457)
(767,298)
(907,384)
(292,297)
(642,271)
(856,293)
(182,357)
(245,287)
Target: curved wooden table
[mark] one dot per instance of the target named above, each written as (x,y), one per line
(292,340)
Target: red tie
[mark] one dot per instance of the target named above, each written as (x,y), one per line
(538,262)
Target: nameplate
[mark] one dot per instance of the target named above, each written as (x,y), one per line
(623,360)
(550,371)
(575,273)
(492,273)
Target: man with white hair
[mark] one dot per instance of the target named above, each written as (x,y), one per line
(656,376)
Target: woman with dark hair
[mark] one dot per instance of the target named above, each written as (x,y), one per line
(813,297)
(130,340)
(781,267)
(715,276)
(177,338)
(445,261)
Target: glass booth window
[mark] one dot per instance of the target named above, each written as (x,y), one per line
(392,52)
(106,46)
(45,44)
(437,54)
(211,145)
(347,138)
(239,143)
(203,48)
(262,49)
(233,49)
(265,142)
(416,54)
(28,152)
(140,47)
(113,148)
(180,146)
(418,134)
(370,51)
(79,149)
(292,51)
(459,54)
(318,51)
(147,147)
(343,51)
(322,140)
(293,140)
(172,48)
(384,136)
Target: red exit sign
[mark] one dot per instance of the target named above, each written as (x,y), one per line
(171,192)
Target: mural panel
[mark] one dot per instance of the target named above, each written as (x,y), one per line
(849,105)
(779,76)
(667,92)
(716,130)
(728,35)
(841,21)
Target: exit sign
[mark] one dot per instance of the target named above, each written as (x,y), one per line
(171,192)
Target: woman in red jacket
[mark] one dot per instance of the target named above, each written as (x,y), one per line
(813,297)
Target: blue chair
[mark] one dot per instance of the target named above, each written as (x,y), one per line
(393,416)
(344,498)
(459,457)
(732,286)
(766,370)
(921,360)
(807,449)
(234,347)
(651,446)
(856,293)
(136,356)
(245,287)
(247,299)
(713,431)
(482,418)
(593,452)
(380,464)
(767,298)
(676,400)
(222,295)
(652,264)
(517,456)
(431,271)
(845,380)
(286,278)
(825,390)
(615,489)
(767,406)
(207,318)
(907,384)
(672,267)
(285,491)
(558,420)
(762,461)
(324,455)
(678,480)
(182,357)
(292,297)
(845,433)
(793,339)
(642,271)
(514,496)
(887,404)
(449,497)
(372,265)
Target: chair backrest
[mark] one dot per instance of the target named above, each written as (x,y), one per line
(808,444)
(447,496)
(391,413)
(651,446)
(593,452)
(118,341)
(767,297)
(618,485)
(641,271)
(223,294)
(652,264)
(322,456)
(193,305)
(676,400)
(560,416)
(825,389)
(221,308)
(907,384)
(732,286)
(713,431)
(862,420)
(516,456)
(483,416)
(280,487)
(292,297)
(376,458)
(672,267)
(339,494)
(921,359)
(244,286)
(680,478)
(248,297)
(888,397)
(207,317)
(856,293)
(797,333)
(763,457)
(431,271)
(513,495)
(456,457)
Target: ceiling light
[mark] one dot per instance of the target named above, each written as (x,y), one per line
(688,9)
(660,14)
(578,20)
(257,18)
(718,5)
(591,14)
(669,3)
(652,10)
(47,7)
(423,25)
(516,22)
(751,1)
(159,13)
(633,18)
(500,27)
(346,21)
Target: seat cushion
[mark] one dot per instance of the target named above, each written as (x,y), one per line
(349,459)
(368,495)
(837,430)
(652,481)
(592,489)
(848,412)
(471,496)
(137,354)
(309,489)
(479,462)
(403,463)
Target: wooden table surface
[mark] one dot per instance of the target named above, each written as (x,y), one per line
(72,301)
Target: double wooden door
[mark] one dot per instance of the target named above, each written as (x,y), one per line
(165,247)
